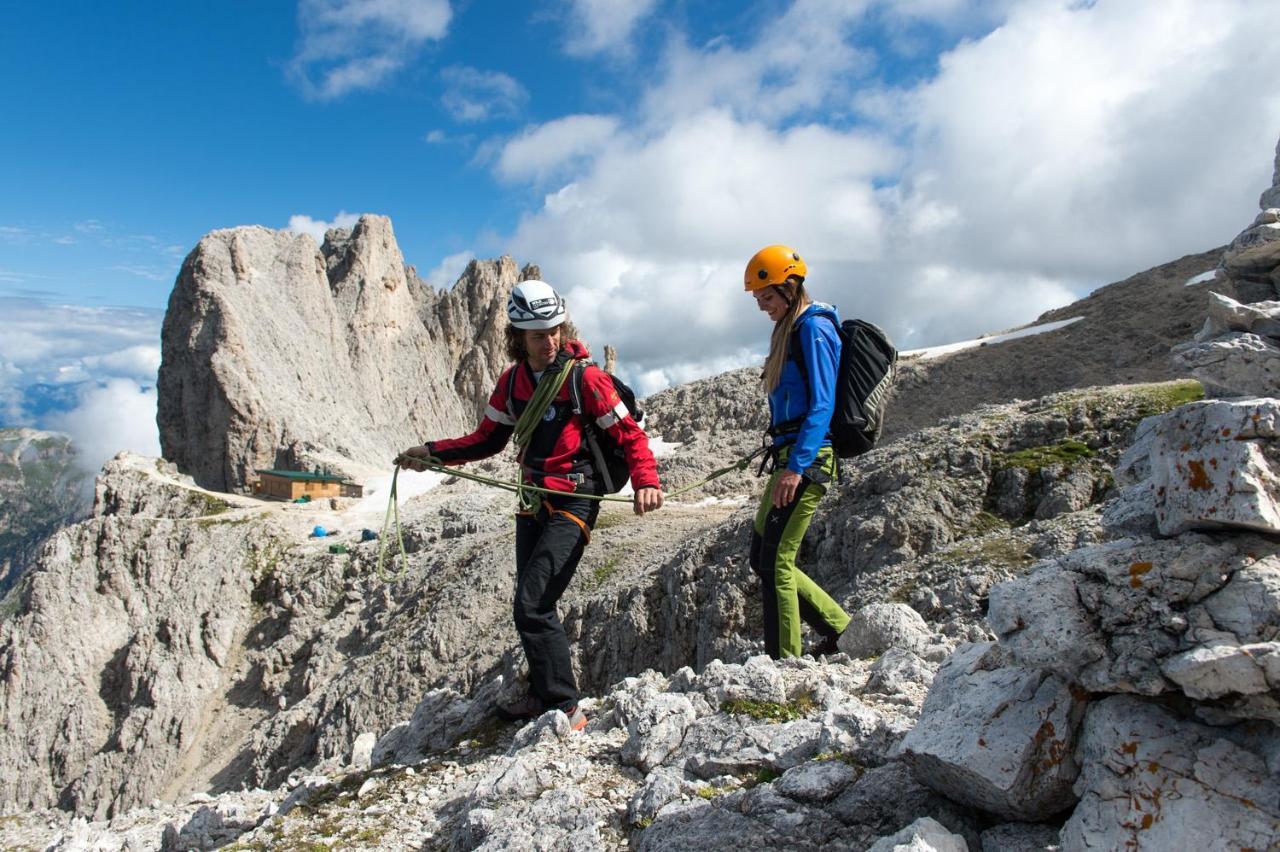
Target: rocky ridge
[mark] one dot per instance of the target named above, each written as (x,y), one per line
(276,353)
(41,488)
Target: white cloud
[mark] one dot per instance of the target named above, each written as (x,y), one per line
(473,95)
(802,65)
(1090,141)
(449,270)
(44,343)
(300,224)
(544,150)
(117,415)
(347,45)
(596,26)
(1070,146)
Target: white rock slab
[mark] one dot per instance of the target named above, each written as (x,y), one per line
(1150,781)
(1237,364)
(996,737)
(1210,467)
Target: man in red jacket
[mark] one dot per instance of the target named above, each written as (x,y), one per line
(550,539)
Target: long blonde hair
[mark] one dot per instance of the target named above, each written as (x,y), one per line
(781,336)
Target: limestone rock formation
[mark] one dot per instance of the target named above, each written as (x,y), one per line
(279,354)
(996,737)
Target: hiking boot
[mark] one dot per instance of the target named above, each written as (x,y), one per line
(522,709)
(577,719)
(829,645)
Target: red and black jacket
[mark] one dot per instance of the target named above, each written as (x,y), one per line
(557,456)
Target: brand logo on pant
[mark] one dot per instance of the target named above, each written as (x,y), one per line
(550,413)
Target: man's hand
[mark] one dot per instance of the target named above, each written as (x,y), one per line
(784,490)
(646,500)
(412,458)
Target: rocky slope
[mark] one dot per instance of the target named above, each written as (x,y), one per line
(276,353)
(229,649)
(41,489)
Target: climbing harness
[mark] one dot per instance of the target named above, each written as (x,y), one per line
(528,495)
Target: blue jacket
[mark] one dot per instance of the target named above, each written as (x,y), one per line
(811,402)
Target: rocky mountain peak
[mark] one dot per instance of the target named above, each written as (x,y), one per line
(276,353)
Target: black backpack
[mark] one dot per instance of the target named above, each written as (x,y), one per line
(863,380)
(607,454)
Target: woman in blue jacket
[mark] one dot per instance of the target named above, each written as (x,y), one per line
(801,401)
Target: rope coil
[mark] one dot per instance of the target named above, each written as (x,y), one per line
(524,491)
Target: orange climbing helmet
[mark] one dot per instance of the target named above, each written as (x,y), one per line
(773,265)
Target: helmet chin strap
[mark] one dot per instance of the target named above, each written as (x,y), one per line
(782,292)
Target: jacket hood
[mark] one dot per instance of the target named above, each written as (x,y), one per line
(576,349)
(818,309)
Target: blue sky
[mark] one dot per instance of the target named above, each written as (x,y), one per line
(949,167)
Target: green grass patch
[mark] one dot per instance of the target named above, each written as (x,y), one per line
(984,523)
(1010,551)
(1067,453)
(771,711)
(214,505)
(765,775)
(604,571)
(1166,396)
(605,520)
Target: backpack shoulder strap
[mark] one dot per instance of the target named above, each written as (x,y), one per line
(794,346)
(511,389)
(575,388)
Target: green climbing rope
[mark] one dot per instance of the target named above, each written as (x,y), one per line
(547,390)
(393,506)
(519,489)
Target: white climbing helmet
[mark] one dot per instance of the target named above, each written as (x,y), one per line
(534,305)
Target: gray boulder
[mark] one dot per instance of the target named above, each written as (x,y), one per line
(657,730)
(876,628)
(1113,616)
(997,738)
(1235,364)
(817,781)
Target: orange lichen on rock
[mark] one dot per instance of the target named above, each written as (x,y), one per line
(1199,480)
(1136,570)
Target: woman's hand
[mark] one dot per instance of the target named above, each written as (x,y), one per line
(413,458)
(646,500)
(784,490)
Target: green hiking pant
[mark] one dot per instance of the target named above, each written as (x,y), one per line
(790,597)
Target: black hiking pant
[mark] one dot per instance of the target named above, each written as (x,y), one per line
(549,544)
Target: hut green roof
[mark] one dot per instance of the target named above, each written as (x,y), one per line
(307,476)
